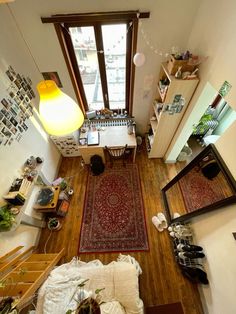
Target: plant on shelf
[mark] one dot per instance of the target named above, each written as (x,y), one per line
(7,218)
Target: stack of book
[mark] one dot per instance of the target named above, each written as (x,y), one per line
(18,191)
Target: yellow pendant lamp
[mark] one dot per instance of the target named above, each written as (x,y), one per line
(60,115)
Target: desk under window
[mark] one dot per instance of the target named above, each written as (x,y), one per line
(111,136)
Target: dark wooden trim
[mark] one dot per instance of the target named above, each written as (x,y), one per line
(128,68)
(228,176)
(99,16)
(101,63)
(75,65)
(61,37)
(216,101)
(132,66)
(64,22)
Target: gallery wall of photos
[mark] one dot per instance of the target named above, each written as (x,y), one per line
(15,108)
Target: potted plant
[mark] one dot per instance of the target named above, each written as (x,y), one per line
(54,224)
(7,218)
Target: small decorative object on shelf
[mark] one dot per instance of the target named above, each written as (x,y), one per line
(178,73)
(187,255)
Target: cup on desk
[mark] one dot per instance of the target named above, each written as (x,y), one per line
(130,128)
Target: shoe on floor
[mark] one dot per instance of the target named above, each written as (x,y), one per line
(162,219)
(195,274)
(157,223)
(189,247)
(191,255)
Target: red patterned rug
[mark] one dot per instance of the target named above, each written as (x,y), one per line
(198,191)
(113,216)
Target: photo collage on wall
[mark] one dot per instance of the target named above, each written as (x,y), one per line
(15,108)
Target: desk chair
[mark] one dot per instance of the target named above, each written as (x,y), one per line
(116,153)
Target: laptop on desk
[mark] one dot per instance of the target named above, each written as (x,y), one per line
(92,138)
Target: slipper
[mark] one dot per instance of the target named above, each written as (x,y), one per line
(157,223)
(162,219)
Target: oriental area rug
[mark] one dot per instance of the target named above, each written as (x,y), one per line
(199,191)
(113,216)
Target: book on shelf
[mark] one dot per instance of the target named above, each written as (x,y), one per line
(15,198)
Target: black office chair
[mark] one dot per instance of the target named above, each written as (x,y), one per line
(116,153)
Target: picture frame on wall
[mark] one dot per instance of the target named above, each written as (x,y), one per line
(53,76)
(16,107)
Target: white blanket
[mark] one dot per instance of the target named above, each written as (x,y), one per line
(120,280)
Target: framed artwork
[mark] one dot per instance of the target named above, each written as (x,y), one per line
(53,76)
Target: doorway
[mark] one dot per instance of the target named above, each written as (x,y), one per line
(216,119)
(209,119)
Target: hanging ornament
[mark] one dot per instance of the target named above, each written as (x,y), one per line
(139,59)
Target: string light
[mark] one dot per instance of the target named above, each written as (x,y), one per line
(152,47)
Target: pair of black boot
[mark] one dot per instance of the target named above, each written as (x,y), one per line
(192,270)
(195,274)
(190,251)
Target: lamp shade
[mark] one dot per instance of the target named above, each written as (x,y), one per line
(139,59)
(59,114)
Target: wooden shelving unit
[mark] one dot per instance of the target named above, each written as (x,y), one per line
(166,123)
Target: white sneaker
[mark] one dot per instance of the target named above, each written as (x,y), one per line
(157,223)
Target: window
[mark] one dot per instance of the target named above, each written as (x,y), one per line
(98,49)
(112,93)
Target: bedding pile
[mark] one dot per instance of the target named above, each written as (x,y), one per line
(61,291)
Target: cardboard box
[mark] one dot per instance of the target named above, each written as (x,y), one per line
(173,65)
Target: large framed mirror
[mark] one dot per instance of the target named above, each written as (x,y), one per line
(205,184)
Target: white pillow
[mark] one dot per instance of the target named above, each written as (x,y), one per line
(113,307)
(127,288)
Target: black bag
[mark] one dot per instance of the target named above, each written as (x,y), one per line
(97,165)
(211,169)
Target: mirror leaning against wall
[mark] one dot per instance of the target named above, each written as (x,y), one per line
(205,184)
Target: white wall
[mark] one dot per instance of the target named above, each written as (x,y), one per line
(194,114)
(212,36)
(168,26)
(13,51)
(228,118)
(213,231)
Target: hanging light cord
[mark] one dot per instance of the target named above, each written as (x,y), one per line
(23,38)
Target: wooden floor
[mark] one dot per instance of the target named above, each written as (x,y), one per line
(161,281)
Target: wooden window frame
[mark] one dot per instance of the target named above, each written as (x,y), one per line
(63,22)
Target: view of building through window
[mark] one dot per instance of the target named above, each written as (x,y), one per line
(114,54)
